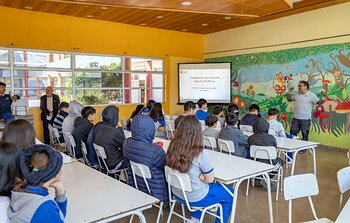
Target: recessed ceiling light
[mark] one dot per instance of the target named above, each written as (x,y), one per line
(184,30)
(204,24)
(142,24)
(159,16)
(104,7)
(186,3)
(28,7)
(227,17)
(89,16)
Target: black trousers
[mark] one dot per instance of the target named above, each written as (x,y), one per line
(46,131)
(302,125)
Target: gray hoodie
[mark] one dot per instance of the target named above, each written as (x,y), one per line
(74,112)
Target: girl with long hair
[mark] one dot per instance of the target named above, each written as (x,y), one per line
(186,154)
(157,115)
(19,132)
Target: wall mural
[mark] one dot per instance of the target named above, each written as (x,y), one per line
(265,77)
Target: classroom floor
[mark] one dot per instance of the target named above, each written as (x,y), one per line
(254,208)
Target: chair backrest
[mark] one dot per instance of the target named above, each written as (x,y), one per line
(100,151)
(141,170)
(273,132)
(55,132)
(175,117)
(218,125)
(246,128)
(169,130)
(226,145)
(20,107)
(167,117)
(70,143)
(263,152)
(343,177)
(297,186)
(178,180)
(209,141)
(124,122)
(84,151)
(51,135)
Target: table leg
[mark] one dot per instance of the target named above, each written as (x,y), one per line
(294,161)
(267,178)
(314,157)
(138,213)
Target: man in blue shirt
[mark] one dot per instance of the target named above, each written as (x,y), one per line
(201,113)
(5,104)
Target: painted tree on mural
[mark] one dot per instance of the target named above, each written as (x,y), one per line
(238,78)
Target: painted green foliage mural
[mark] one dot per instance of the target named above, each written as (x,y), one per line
(265,77)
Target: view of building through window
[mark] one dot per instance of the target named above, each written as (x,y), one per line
(89,79)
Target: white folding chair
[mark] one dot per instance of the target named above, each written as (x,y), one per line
(267,153)
(298,186)
(343,177)
(246,128)
(348,154)
(20,107)
(124,123)
(209,142)
(101,155)
(70,143)
(226,146)
(144,172)
(86,160)
(167,117)
(169,130)
(182,181)
(175,117)
(53,140)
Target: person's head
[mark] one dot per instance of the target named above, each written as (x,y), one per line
(137,110)
(254,109)
(156,112)
(273,113)
(75,109)
(150,104)
(9,167)
(142,128)
(40,165)
(202,104)
(261,126)
(233,108)
(2,88)
(218,110)
(88,112)
(49,91)
(231,119)
(110,115)
(19,132)
(186,145)
(303,86)
(189,107)
(211,121)
(64,106)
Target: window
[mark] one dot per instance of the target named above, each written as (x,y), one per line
(89,79)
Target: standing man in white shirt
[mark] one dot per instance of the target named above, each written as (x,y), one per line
(304,101)
(49,109)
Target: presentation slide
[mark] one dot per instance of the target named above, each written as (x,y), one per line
(210,81)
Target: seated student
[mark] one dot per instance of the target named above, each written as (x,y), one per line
(147,109)
(82,127)
(186,154)
(189,108)
(276,128)
(111,137)
(156,114)
(233,108)
(134,113)
(201,113)
(218,111)
(74,112)
(30,201)
(252,115)
(19,132)
(9,170)
(232,133)
(140,149)
(211,131)
(62,114)
(5,104)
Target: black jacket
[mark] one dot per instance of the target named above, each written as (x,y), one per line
(43,106)
(5,103)
(82,127)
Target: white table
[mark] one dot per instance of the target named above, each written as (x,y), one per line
(292,145)
(68,159)
(230,169)
(95,197)
(344,216)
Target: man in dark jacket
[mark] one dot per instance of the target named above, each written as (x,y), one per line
(140,149)
(111,137)
(49,109)
(82,127)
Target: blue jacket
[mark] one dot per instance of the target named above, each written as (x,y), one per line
(139,148)
(35,206)
(201,115)
(5,103)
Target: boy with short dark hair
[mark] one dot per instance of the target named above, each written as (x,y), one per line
(218,112)
(189,108)
(252,115)
(211,130)
(276,128)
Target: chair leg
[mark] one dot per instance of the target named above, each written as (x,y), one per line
(340,201)
(183,212)
(160,211)
(278,182)
(171,211)
(131,218)
(247,191)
